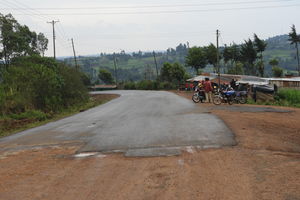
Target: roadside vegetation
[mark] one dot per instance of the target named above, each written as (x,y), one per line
(284,97)
(35,89)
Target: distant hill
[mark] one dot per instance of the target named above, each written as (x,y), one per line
(140,65)
(279,47)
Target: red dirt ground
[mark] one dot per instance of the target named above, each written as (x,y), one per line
(264,165)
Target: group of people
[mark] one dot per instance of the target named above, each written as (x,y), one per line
(207,88)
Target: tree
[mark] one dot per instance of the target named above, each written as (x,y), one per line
(260,68)
(260,48)
(16,40)
(295,39)
(237,69)
(249,56)
(274,62)
(172,72)
(105,76)
(42,44)
(211,55)
(196,58)
(277,71)
(232,54)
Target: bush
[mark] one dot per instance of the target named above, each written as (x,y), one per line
(291,96)
(36,83)
(129,86)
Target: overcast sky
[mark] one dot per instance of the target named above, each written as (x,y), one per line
(132,25)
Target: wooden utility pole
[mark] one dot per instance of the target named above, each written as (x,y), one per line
(154,56)
(115,65)
(218,59)
(53,29)
(75,59)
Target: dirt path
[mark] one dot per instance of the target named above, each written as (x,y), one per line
(264,165)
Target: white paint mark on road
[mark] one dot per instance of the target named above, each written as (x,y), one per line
(84,155)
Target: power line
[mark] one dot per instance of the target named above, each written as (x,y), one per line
(29,13)
(33,13)
(173,11)
(156,6)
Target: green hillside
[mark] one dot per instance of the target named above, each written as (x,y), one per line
(140,65)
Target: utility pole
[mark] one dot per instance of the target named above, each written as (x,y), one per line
(188,45)
(75,59)
(154,56)
(218,59)
(53,23)
(116,74)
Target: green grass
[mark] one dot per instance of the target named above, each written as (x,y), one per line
(284,97)
(37,118)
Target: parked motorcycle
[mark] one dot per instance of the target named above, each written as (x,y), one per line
(224,97)
(241,97)
(199,95)
(230,97)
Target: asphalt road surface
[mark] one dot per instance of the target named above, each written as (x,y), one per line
(138,123)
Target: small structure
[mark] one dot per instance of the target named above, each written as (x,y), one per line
(291,83)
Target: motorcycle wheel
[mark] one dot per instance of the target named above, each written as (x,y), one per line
(243,100)
(217,100)
(196,98)
(230,101)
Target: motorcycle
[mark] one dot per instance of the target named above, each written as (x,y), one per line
(241,97)
(199,95)
(224,97)
(230,96)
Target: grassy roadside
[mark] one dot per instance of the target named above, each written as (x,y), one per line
(285,98)
(9,126)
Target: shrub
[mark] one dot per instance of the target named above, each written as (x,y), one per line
(36,83)
(290,95)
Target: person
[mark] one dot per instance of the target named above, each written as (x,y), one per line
(233,84)
(208,90)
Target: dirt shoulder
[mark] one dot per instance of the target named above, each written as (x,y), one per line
(264,165)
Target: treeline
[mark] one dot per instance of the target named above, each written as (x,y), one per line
(171,76)
(247,58)
(251,57)
(130,66)
(30,83)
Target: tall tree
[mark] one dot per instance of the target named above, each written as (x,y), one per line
(232,54)
(211,55)
(260,48)
(249,56)
(196,58)
(15,39)
(294,38)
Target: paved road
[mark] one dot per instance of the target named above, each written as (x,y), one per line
(139,123)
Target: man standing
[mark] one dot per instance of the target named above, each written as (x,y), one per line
(208,90)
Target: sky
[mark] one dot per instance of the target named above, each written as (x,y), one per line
(132,25)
